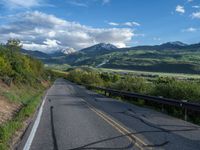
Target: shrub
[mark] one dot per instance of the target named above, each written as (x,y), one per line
(132,84)
(176,89)
(85,77)
(19,67)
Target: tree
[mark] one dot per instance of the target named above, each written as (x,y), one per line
(5,68)
(14,44)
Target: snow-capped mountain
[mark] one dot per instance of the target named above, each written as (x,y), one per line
(100,47)
(68,51)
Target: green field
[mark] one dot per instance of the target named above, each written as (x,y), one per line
(152,74)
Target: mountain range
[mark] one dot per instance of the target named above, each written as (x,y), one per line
(175,57)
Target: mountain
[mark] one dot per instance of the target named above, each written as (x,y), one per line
(174,57)
(165,46)
(176,43)
(173,45)
(42,55)
(62,53)
(36,54)
(100,47)
(194,46)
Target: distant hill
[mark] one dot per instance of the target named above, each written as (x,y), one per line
(168,57)
(36,54)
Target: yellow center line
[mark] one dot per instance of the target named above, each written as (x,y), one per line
(134,139)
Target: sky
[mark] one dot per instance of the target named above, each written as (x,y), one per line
(50,25)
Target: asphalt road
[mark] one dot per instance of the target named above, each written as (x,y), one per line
(73,118)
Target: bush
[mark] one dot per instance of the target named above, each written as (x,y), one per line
(165,86)
(132,84)
(5,67)
(19,67)
(176,89)
(85,77)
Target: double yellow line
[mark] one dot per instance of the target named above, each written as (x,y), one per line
(134,139)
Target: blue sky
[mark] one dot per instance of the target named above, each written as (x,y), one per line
(48,25)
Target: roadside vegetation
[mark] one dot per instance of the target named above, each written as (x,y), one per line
(17,67)
(23,81)
(167,87)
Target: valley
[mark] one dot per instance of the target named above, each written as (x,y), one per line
(171,57)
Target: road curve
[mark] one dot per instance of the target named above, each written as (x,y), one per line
(73,118)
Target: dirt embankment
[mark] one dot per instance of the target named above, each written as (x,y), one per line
(7,109)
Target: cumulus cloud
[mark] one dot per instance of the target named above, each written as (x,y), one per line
(180,9)
(196,15)
(45,32)
(129,24)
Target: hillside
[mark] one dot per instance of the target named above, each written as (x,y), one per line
(174,57)
(22,82)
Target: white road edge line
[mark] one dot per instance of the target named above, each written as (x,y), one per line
(35,126)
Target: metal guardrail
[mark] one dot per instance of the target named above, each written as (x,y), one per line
(164,101)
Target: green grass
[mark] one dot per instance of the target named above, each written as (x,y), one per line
(30,99)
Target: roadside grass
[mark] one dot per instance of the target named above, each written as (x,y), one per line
(30,99)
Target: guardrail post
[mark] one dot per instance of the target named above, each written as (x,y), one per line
(185,112)
(185,115)
(162,109)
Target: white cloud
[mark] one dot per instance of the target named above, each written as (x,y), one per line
(196,15)
(113,24)
(105,2)
(191,29)
(140,34)
(180,9)
(51,43)
(129,24)
(196,6)
(52,34)
(157,39)
(78,3)
(20,3)
(190,1)
(86,3)
(40,31)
